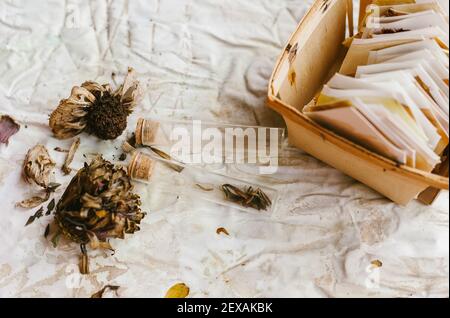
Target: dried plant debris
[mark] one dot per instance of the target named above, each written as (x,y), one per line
(37,166)
(84,260)
(37,200)
(222,230)
(376,263)
(8,127)
(59,149)
(204,187)
(254,198)
(39,213)
(174,166)
(179,290)
(50,207)
(69,158)
(47,230)
(98,205)
(100,293)
(96,109)
(33,201)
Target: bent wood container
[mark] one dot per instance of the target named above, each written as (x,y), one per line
(312,55)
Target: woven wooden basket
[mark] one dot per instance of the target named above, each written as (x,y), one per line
(313,54)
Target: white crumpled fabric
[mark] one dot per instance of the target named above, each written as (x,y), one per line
(210,60)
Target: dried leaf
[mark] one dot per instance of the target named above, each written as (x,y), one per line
(100,293)
(37,166)
(69,158)
(50,207)
(222,230)
(179,290)
(35,216)
(8,127)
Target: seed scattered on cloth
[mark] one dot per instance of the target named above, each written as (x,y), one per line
(222,230)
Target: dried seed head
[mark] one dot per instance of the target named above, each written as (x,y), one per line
(38,166)
(97,109)
(98,205)
(107,119)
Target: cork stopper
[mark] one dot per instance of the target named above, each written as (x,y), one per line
(146,131)
(141,166)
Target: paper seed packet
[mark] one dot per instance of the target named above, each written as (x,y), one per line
(391,94)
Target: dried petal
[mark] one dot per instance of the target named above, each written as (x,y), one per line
(69,158)
(8,127)
(204,187)
(37,166)
(33,201)
(84,264)
(100,293)
(68,119)
(131,92)
(179,290)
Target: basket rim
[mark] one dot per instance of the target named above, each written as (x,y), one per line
(431,179)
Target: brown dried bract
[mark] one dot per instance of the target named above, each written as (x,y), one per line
(37,200)
(69,158)
(37,166)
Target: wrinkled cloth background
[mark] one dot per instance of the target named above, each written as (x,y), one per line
(210,60)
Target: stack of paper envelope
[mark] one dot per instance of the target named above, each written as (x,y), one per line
(391,94)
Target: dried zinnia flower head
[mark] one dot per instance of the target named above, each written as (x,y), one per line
(96,109)
(37,166)
(97,205)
